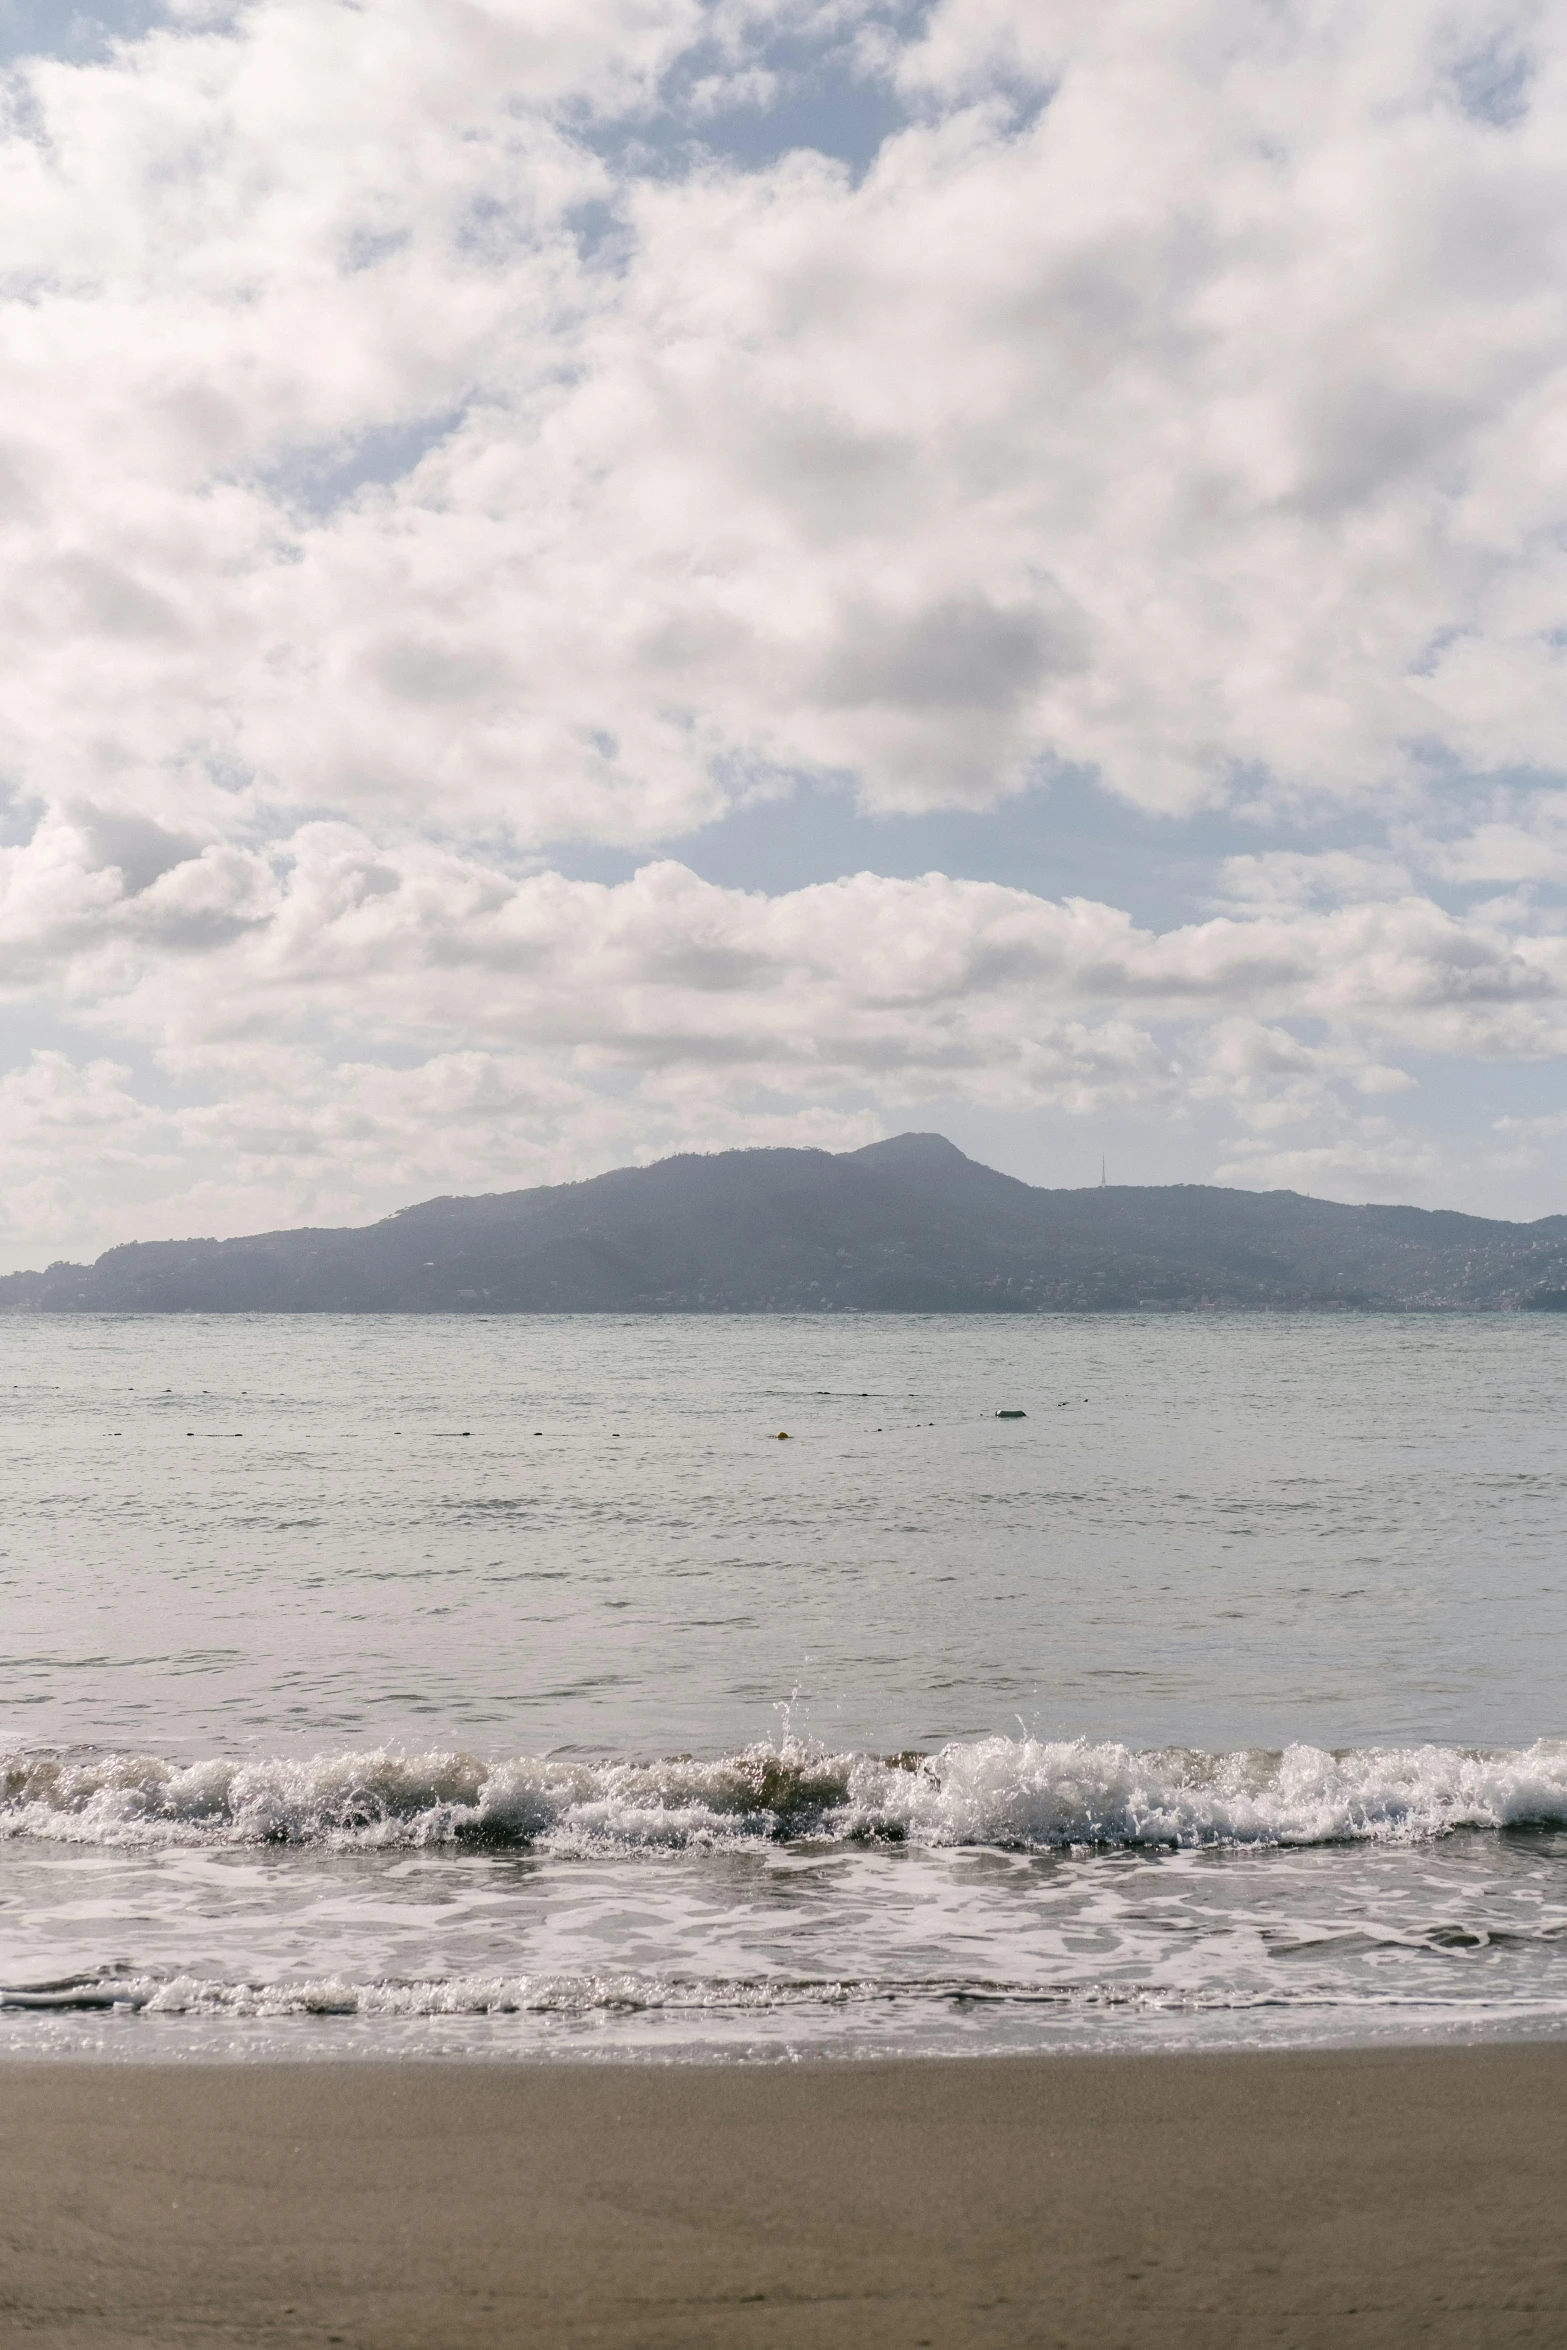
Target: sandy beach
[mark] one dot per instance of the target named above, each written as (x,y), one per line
(1318,2200)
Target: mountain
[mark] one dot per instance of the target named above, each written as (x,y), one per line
(906,1226)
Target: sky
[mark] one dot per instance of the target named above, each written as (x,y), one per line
(587,578)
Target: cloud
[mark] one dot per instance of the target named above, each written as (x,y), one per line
(1526,844)
(1175,395)
(49,1098)
(72,1139)
(869,976)
(1376,1163)
(1272,1078)
(415,940)
(1280,880)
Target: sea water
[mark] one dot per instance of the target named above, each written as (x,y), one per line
(707,1686)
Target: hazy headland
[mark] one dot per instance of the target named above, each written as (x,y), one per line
(910,1225)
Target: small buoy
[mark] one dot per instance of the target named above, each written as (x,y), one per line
(783,1435)
(1011,1415)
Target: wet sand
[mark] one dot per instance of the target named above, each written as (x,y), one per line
(1124,2203)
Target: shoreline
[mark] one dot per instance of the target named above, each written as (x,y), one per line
(254,2044)
(1305,2198)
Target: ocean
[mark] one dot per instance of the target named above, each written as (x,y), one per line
(506,1689)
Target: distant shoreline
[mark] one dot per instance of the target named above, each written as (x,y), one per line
(689,1313)
(1375,2199)
(906,1226)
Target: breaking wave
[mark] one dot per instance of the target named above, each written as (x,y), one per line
(568,1998)
(1019,1794)
(564,1995)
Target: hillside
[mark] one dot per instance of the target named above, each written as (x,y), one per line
(908,1225)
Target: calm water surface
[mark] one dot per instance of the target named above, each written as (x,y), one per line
(508,1687)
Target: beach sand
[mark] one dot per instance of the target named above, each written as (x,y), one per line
(1329,2200)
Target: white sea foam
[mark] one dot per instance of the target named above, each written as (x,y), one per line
(1017,1793)
(481,1995)
(197,1996)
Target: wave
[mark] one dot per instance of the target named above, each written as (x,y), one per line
(585,1995)
(1018,1794)
(501,1995)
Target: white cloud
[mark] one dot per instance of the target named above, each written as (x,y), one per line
(859,979)
(1375,1163)
(1280,880)
(49,1097)
(1271,1078)
(1201,427)
(1527,844)
(72,1139)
